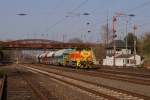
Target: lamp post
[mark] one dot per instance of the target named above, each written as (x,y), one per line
(21,14)
(130,15)
(77,14)
(134,31)
(18,53)
(70,14)
(126,39)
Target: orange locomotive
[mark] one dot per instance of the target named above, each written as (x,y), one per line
(81,58)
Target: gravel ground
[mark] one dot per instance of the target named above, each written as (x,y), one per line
(19,90)
(17,87)
(136,88)
(63,91)
(132,70)
(90,86)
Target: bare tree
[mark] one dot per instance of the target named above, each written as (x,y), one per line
(103,33)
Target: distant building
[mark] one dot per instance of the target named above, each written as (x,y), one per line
(123,56)
(120,47)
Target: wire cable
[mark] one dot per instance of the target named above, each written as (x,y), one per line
(139,6)
(135,8)
(64,18)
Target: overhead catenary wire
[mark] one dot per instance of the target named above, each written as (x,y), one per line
(144,24)
(139,6)
(64,18)
(127,11)
(80,5)
(84,2)
(43,33)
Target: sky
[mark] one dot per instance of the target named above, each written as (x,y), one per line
(62,20)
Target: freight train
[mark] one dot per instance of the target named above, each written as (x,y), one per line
(78,58)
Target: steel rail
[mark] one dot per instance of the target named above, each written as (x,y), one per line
(106,75)
(33,87)
(2,87)
(125,73)
(98,85)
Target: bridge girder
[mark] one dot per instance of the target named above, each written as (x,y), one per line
(43,44)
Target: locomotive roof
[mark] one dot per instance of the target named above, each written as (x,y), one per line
(43,54)
(50,54)
(62,51)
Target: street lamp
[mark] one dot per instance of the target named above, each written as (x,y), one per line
(77,14)
(21,14)
(125,15)
(130,15)
(86,13)
(134,31)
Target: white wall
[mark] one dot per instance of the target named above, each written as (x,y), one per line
(108,61)
(119,61)
(137,58)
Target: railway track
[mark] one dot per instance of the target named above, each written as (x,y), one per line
(124,73)
(143,79)
(98,90)
(132,78)
(2,87)
(28,89)
(34,87)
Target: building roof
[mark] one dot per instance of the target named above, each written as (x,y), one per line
(63,51)
(43,55)
(110,55)
(59,53)
(120,44)
(125,56)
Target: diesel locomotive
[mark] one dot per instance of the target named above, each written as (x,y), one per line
(78,58)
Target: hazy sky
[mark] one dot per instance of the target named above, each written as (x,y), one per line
(47,18)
